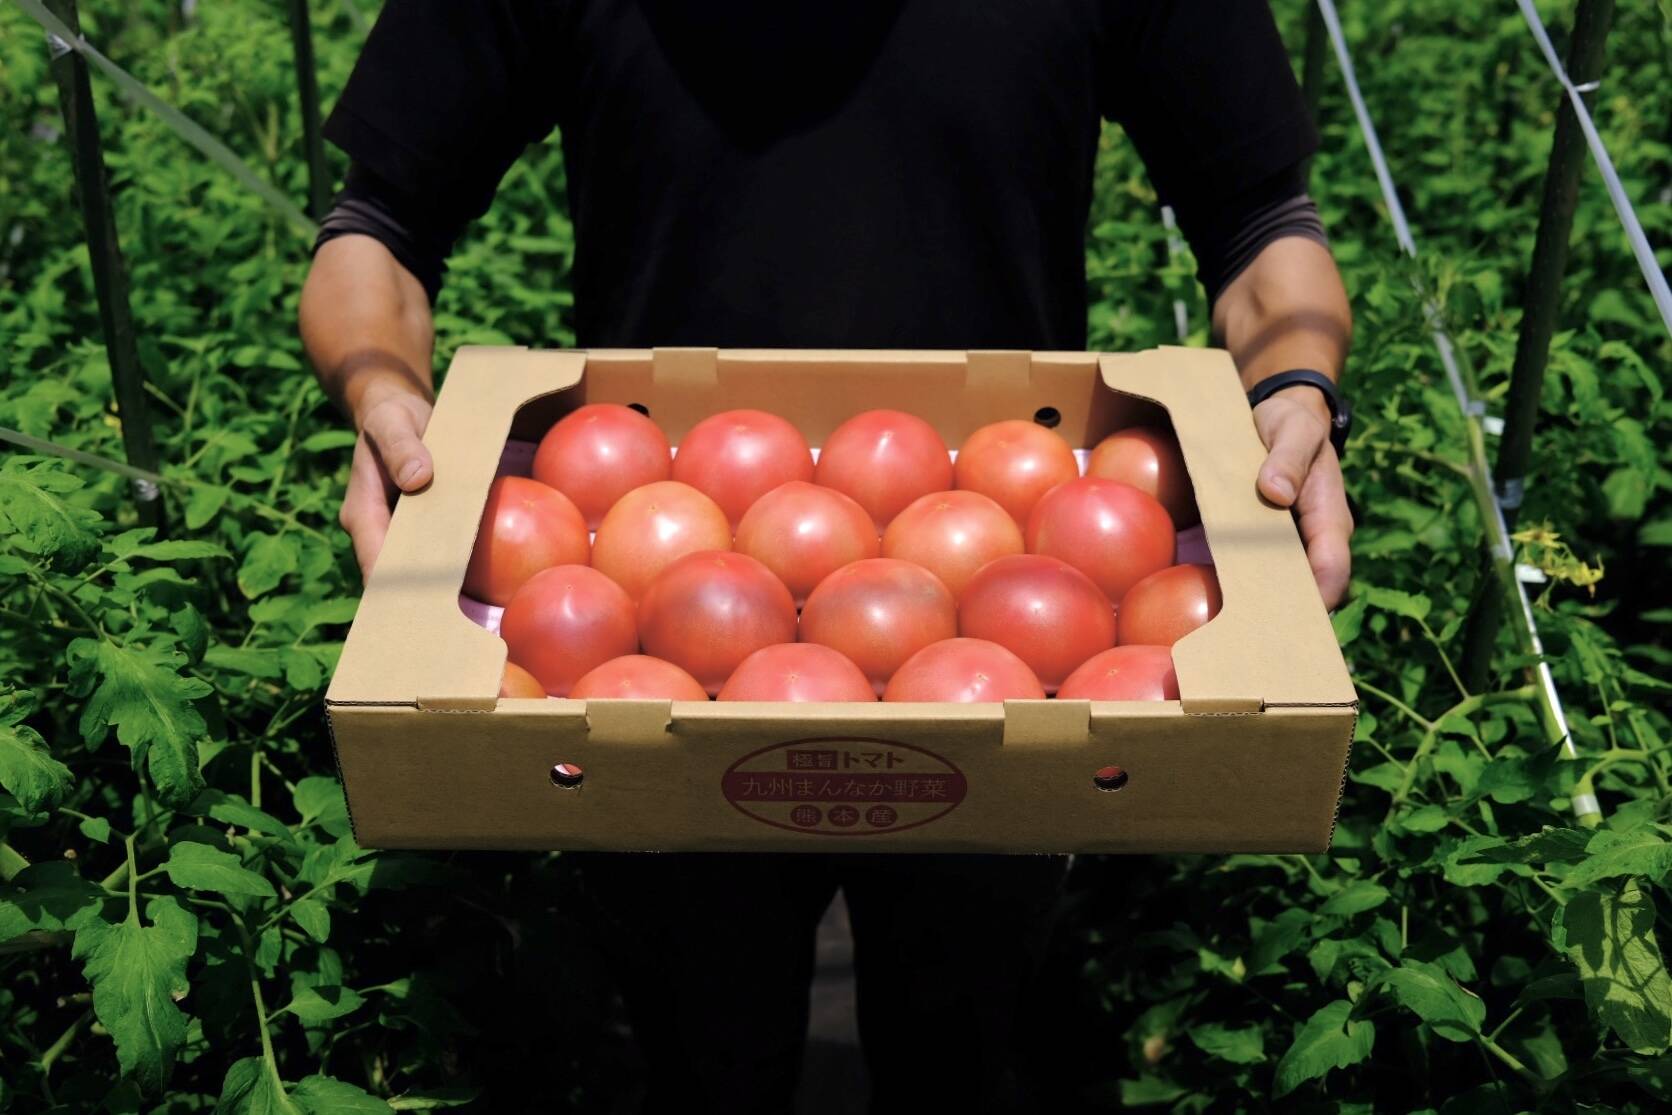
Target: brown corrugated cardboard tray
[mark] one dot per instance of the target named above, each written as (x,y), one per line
(1251,758)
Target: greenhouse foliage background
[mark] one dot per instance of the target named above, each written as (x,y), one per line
(186,923)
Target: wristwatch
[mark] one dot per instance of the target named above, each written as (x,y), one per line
(1340,414)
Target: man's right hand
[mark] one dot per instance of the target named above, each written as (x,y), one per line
(389,458)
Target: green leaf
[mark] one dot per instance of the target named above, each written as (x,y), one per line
(1330,1039)
(47,897)
(316,1006)
(1433,996)
(140,692)
(257,662)
(1400,603)
(1611,940)
(314,917)
(28,770)
(1550,845)
(1427,818)
(1149,1090)
(1348,620)
(1640,852)
(204,504)
(39,522)
(251,1088)
(328,439)
(138,973)
(1356,898)
(1246,1046)
(1278,938)
(96,829)
(272,558)
(324,1095)
(319,798)
(230,809)
(200,867)
(176,550)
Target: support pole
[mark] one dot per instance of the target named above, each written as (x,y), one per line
(307,89)
(1312,69)
(110,273)
(1540,309)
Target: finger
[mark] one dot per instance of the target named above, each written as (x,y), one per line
(395,433)
(1292,440)
(365,510)
(1326,526)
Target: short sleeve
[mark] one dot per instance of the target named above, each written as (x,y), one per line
(1205,90)
(446,95)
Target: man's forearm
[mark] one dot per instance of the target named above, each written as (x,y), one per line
(366,324)
(1287,310)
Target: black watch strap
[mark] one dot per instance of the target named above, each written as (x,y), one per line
(1341,414)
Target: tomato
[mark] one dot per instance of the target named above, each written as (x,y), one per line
(797,672)
(1148,459)
(518,682)
(526,527)
(952,535)
(1014,463)
(963,670)
(737,456)
(1164,607)
(652,526)
(1110,531)
(804,533)
(1129,673)
(879,612)
(1044,611)
(566,620)
(638,677)
(709,611)
(885,459)
(599,453)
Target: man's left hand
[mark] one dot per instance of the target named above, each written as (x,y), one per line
(1303,473)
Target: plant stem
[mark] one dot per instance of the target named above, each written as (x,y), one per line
(1432,735)
(1395,702)
(56,1049)
(133,882)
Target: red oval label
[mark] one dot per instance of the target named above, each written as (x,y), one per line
(843,786)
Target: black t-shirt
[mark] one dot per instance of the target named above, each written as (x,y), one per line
(872,174)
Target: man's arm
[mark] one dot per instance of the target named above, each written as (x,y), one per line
(1288,309)
(366,326)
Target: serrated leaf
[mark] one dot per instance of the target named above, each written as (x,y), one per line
(200,867)
(316,1006)
(138,973)
(268,561)
(1610,939)
(230,809)
(47,897)
(324,1095)
(1356,898)
(251,1088)
(1550,845)
(1400,603)
(1245,1046)
(39,522)
(140,692)
(188,623)
(29,772)
(256,662)
(177,550)
(1433,996)
(1640,852)
(1330,1039)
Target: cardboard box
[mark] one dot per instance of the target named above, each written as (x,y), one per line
(1251,759)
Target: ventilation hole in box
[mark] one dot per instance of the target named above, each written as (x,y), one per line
(566,776)
(1049,417)
(640,407)
(1109,778)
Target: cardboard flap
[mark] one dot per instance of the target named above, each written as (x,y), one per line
(409,643)
(1051,723)
(1232,664)
(627,721)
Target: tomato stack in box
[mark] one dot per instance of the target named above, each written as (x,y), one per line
(748,566)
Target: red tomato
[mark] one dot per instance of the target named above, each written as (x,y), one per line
(1131,673)
(797,672)
(885,459)
(599,453)
(1164,607)
(952,535)
(526,527)
(1110,531)
(1044,611)
(1148,459)
(650,527)
(638,677)
(737,456)
(1014,463)
(879,612)
(518,682)
(963,670)
(707,612)
(804,533)
(566,620)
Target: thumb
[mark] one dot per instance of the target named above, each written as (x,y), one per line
(1293,438)
(395,432)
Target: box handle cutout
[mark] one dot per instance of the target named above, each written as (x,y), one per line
(1111,778)
(1049,417)
(567,776)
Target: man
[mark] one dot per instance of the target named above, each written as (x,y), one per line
(875,174)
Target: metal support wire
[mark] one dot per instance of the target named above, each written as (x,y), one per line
(307,92)
(1640,248)
(1586,808)
(1175,248)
